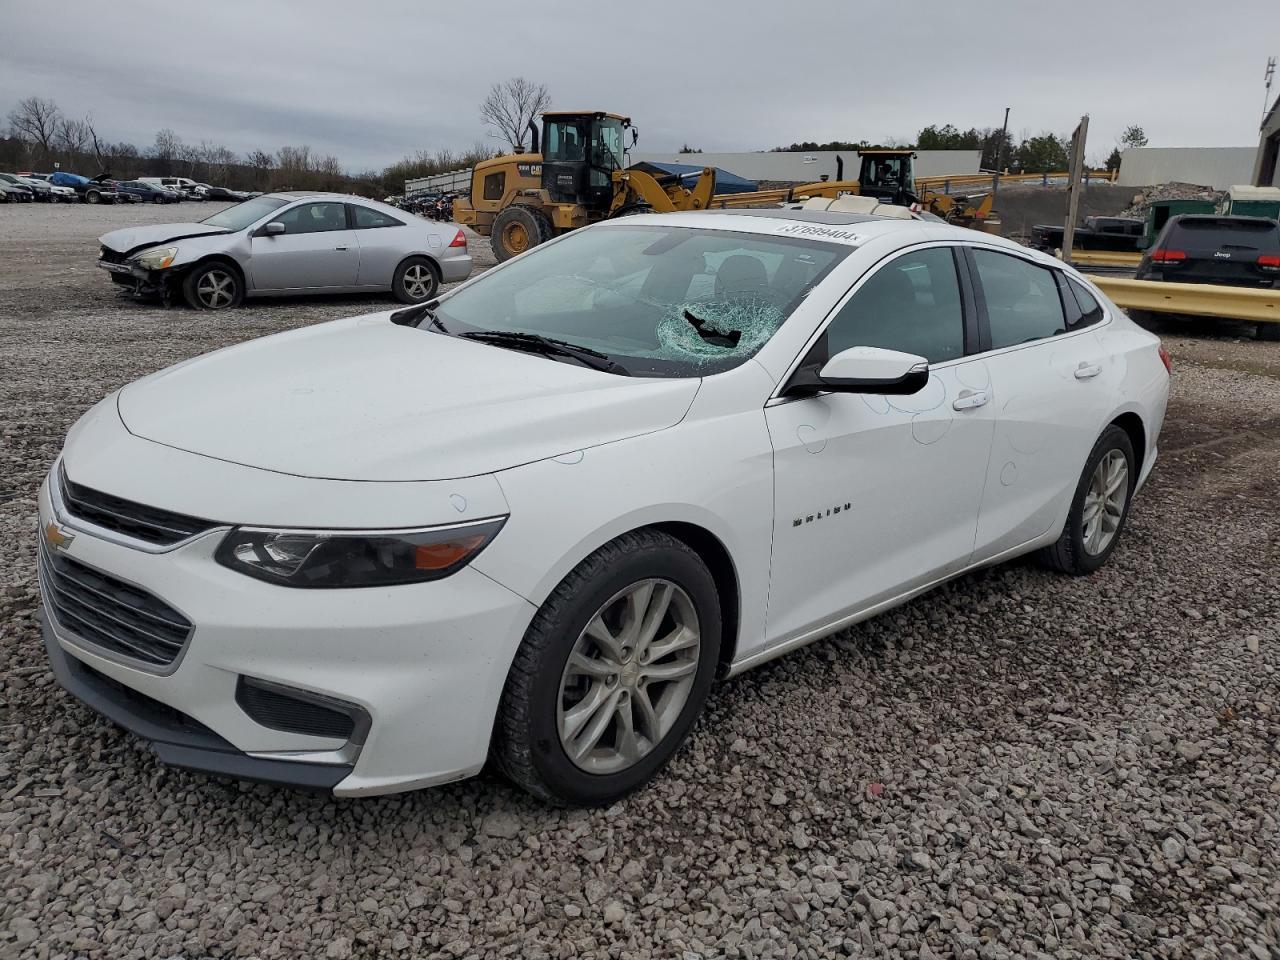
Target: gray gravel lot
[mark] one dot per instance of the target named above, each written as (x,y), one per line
(1018,764)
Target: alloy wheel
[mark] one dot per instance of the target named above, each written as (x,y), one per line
(418,281)
(216,289)
(628,676)
(1104,502)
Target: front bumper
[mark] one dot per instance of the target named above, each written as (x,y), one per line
(425,662)
(177,739)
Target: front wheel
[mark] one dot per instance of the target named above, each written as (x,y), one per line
(517,229)
(1099,509)
(213,286)
(92,197)
(612,673)
(415,281)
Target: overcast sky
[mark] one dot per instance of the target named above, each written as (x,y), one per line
(371,82)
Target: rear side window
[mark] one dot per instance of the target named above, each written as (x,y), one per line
(1022,299)
(367,219)
(1090,309)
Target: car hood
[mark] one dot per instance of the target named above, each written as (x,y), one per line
(135,238)
(364,399)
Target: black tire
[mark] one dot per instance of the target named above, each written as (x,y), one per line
(526,745)
(158,198)
(92,197)
(225,278)
(1268,332)
(408,284)
(517,222)
(1068,554)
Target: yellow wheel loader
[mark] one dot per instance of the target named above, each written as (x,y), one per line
(573,175)
(887,176)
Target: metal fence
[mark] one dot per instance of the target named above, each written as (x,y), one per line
(455,181)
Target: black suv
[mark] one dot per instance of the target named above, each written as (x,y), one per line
(1201,248)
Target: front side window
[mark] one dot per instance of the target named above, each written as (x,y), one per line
(1022,299)
(314,218)
(366,218)
(660,301)
(911,304)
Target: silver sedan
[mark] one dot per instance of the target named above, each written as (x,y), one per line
(289,243)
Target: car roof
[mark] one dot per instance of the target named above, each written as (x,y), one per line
(827,225)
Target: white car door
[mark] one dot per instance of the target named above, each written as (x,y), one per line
(1053,382)
(877,495)
(315,251)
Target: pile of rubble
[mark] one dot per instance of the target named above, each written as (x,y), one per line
(1170,191)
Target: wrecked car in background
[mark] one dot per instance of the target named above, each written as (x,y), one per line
(288,243)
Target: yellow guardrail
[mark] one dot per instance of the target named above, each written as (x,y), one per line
(1194,299)
(1105,258)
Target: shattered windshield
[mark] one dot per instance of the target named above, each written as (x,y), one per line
(659,300)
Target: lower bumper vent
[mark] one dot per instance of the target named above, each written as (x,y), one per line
(296,711)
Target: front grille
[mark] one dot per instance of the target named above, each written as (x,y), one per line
(149,524)
(111,256)
(275,709)
(110,613)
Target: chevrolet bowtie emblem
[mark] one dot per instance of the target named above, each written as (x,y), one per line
(56,538)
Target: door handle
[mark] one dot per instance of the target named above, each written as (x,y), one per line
(969,399)
(339,248)
(1087,371)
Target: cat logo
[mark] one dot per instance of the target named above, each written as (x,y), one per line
(56,538)
(822,514)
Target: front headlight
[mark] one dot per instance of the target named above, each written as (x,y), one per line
(348,558)
(157,258)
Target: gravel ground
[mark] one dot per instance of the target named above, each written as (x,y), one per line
(1018,764)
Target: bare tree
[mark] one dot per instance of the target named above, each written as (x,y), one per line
(35,121)
(166,148)
(101,150)
(511,106)
(72,137)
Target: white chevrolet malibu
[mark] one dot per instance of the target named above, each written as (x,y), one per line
(536,519)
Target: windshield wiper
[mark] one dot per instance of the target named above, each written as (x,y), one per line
(547,346)
(712,336)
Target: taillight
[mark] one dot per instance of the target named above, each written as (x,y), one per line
(1269,262)
(1165,359)
(1167,256)
(459,240)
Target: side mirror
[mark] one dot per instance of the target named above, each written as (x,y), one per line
(635,136)
(272,229)
(864,370)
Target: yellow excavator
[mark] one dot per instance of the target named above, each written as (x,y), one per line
(575,174)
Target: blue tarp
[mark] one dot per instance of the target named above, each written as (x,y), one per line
(64,179)
(688,173)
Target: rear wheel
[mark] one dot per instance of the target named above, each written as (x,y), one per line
(517,229)
(213,286)
(612,673)
(1099,509)
(415,281)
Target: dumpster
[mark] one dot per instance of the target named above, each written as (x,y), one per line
(1162,210)
(1246,201)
